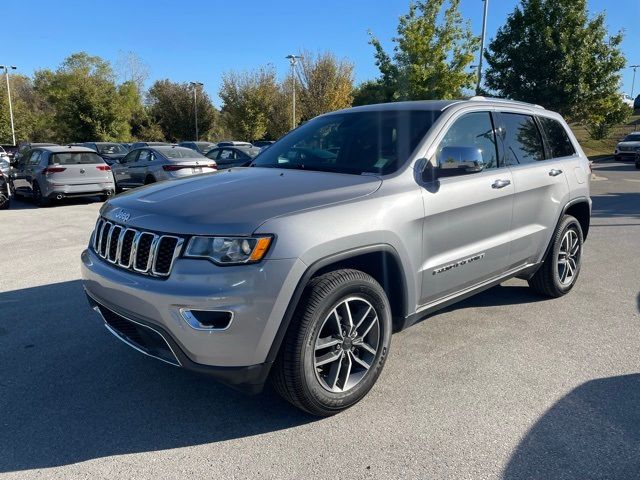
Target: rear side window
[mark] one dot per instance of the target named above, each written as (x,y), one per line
(74,158)
(523,139)
(557,138)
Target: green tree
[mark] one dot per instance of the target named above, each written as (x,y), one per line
(326,84)
(171,106)
(32,114)
(433,50)
(84,100)
(372,91)
(248,98)
(551,53)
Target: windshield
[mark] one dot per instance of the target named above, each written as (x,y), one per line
(111,149)
(179,152)
(634,137)
(74,158)
(351,142)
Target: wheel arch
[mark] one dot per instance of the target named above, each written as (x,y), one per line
(381,261)
(580,209)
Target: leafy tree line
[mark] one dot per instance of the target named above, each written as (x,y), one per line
(550,52)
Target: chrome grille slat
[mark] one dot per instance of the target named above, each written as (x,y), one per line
(114,243)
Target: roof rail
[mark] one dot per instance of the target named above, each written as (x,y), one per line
(480,98)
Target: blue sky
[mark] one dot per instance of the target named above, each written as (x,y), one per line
(199,40)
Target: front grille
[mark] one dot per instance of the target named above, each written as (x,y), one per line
(144,252)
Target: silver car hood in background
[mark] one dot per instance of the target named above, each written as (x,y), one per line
(235,201)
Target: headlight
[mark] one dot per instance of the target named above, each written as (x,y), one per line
(228,250)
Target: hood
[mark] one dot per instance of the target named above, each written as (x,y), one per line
(629,144)
(233,202)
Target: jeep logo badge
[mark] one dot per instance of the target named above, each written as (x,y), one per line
(122,215)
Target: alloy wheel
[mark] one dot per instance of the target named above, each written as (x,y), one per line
(568,257)
(347,344)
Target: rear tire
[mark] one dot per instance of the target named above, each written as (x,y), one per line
(149,180)
(5,199)
(38,198)
(561,267)
(327,362)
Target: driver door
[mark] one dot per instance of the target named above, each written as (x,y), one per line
(121,171)
(466,229)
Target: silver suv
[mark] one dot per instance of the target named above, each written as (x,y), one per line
(359,223)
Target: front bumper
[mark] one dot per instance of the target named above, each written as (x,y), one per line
(257,295)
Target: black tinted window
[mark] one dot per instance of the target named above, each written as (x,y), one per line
(354,142)
(523,140)
(557,138)
(473,130)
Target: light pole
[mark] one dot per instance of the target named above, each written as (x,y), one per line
(6,73)
(293,60)
(633,82)
(195,86)
(484,28)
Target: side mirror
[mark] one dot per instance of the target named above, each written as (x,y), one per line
(459,161)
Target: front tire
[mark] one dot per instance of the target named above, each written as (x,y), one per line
(337,344)
(559,272)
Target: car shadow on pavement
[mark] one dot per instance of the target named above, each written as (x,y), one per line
(71,392)
(616,205)
(627,166)
(498,296)
(593,432)
(19,203)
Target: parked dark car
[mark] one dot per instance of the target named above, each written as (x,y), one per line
(239,156)
(147,144)
(200,147)
(110,152)
(263,143)
(25,147)
(5,192)
(636,103)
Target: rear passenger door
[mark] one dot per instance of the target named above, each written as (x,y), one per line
(467,216)
(541,188)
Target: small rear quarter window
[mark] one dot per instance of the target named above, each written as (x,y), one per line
(557,138)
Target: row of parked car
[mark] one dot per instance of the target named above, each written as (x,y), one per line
(46,172)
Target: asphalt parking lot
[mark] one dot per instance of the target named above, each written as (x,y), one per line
(503,385)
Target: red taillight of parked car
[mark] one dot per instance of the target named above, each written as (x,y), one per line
(50,170)
(173,168)
(103,168)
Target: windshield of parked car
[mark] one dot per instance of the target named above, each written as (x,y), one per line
(351,142)
(633,137)
(179,152)
(205,146)
(74,158)
(111,149)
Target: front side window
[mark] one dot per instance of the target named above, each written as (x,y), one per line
(473,130)
(130,157)
(523,140)
(557,138)
(377,142)
(34,159)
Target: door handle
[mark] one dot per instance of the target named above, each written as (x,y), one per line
(555,172)
(500,183)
